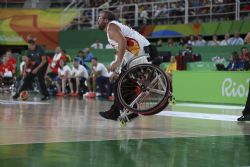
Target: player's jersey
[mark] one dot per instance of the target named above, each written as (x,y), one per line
(135,41)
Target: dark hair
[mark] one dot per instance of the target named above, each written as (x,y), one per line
(31,41)
(109,15)
(244,47)
(77,59)
(94,58)
(80,51)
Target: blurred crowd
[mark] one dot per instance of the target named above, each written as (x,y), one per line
(83,75)
(163,12)
(76,76)
(198,40)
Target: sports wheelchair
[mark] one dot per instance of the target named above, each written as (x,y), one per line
(143,88)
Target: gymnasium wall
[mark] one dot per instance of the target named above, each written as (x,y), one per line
(44,25)
(73,39)
(205,29)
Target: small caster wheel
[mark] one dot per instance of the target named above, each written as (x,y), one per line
(123,123)
(172,100)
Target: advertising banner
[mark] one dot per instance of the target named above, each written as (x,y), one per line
(211,87)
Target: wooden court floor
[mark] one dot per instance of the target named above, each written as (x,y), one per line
(69,132)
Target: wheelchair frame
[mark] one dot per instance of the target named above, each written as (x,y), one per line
(144,83)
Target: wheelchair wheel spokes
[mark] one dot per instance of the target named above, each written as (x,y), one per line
(143,88)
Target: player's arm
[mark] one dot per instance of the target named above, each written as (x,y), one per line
(43,62)
(116,35)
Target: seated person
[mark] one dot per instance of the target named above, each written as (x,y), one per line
(171,67)
(79,75)
(108,46)
(81,58)
(101,76)
(234,64)
(52,70)
(236,40)
(68,58)
(64,76)
(7,71)
(245,58)
(87,55)
(97,45)
(214,41)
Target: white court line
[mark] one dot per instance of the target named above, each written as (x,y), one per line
(233,107)
(13,102)
(219,117)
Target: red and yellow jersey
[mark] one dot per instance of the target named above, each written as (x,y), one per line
(135,41)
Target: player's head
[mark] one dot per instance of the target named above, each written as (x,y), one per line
(76,62)
(62,63)
(104,18)
(94,61)
(31,44)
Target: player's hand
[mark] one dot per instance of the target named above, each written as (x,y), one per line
(113,77)
(34,71)
(115,65)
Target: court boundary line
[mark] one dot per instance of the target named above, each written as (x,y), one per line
(181,114)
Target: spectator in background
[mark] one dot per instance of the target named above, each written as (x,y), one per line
(172,9)
(245,57)
(7,68)
(10,58)
(79,75)
(159,43)
(91,83)
(68,58)
(87,55)
(195,7)
(97,45)
(226,41)
(183,41)
(247,38)
(247,64)
(81,57)
(102,77)
(7,71)
(22,64)
(234,64)
(200,41)
(244,53)
(191,40)
(64,76)
(30,37)
(144,15)
(171,68)
(170,43)
(236,40)
(53,66)
(219,6)
(214,41)
(157,11)
(108,46)
(99,77)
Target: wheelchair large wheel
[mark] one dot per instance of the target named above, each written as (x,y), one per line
(144,89)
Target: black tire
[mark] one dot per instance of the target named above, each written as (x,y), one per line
(142,83)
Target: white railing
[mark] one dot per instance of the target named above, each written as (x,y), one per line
(160,12)
(12,3)
(163,12)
